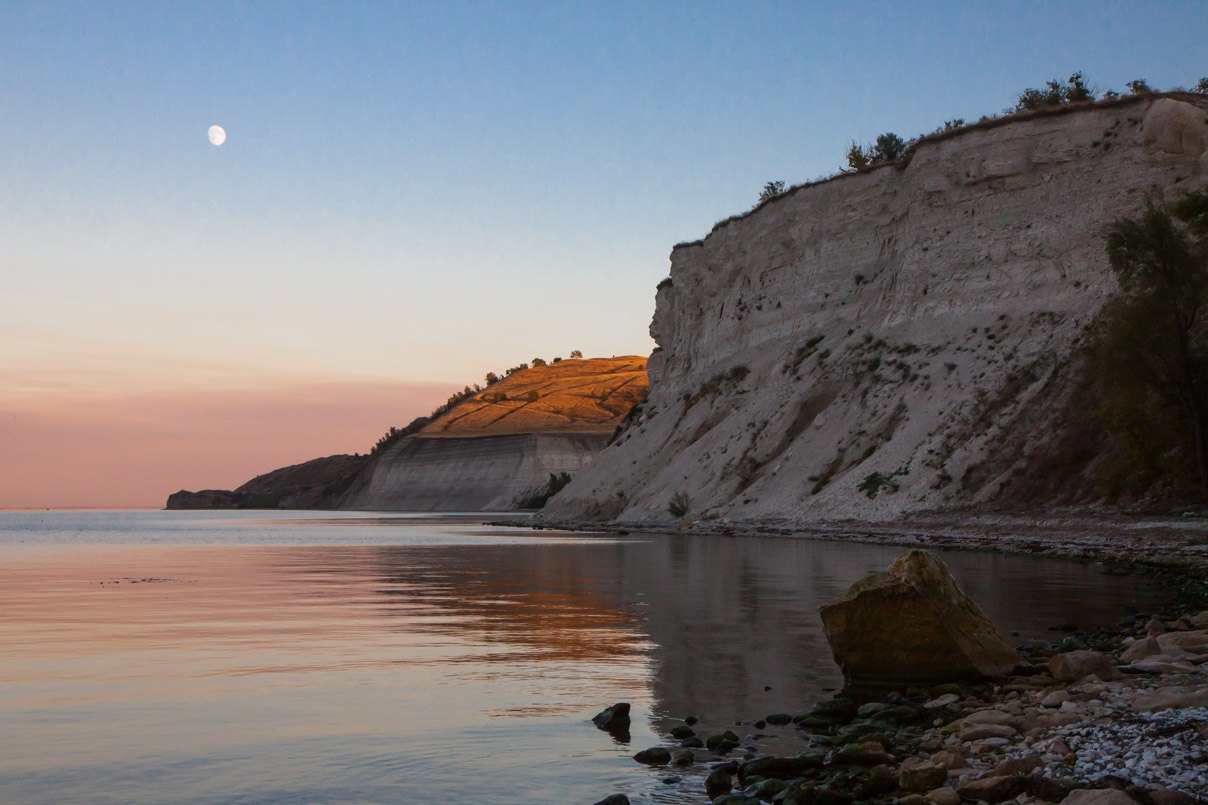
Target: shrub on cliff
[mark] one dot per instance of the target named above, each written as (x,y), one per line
(1150,347)
(770,190)
(1055,93)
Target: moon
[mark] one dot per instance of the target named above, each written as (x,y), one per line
(217,135)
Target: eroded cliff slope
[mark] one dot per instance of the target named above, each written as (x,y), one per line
(497,448)
(870,345)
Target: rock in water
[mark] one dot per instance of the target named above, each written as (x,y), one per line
(911,624)
(613,719)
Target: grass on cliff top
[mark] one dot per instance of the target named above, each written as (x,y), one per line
(571,396)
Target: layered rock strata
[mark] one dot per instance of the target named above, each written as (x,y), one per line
(486,473)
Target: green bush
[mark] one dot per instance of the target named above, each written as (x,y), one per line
(678,506)
(771,190)
(1055,93)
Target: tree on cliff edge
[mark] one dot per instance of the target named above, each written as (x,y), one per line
(1151,346)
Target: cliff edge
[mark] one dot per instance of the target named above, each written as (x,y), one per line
(895,340)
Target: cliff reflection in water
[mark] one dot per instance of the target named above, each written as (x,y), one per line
(274,661)
(730,625)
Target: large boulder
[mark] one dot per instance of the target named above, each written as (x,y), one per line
(912,624)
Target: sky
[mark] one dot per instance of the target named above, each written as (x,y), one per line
(413,194)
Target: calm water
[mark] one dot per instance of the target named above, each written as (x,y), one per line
(256,657)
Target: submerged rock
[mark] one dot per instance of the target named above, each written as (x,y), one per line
(655,756)
(912,624)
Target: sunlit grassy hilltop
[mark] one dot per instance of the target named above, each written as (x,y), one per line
(570,396)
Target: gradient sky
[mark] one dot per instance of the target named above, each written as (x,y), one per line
(412,194)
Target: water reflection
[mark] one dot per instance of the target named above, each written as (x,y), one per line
(452,660)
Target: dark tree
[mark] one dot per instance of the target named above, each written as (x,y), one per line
(1139,86)
(770,190)
(889,147)
(1151,348)
(857,158)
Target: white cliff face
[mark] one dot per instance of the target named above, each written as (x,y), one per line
(470,474)
(853,348)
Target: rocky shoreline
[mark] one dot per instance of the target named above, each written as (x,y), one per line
(1129,543)
(1116,716)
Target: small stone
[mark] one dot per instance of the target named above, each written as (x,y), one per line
(783,768)
(722,743)
(881,780)
(1165,796)
(718,783)
(1145,647)
(1154,627)
(615,799)
(942,701)
(948,759)
(1056,698)
(831,796)
(692,743)
(1018,765)
(1098,796)
(871,708)
(779,719)
(919,774)
(1173,697)
(655,756)
(683,757)
(1074,665)
(870,753)
(943,796)
(980,732)
(1160,665)
(988,717)
(682,731)
(691,720)
(991,789)
(770,788)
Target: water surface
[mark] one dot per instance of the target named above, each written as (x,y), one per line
(257,657)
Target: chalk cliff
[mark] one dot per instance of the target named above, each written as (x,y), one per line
(894,340)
